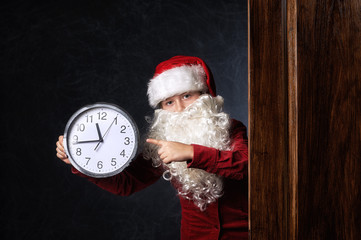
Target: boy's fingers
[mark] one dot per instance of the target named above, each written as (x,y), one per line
(155,141)
(60,155)
(61,139)
(66,161)
(163,156)
(58,144)
(60,151)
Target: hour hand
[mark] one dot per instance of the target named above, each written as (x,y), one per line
(99,134)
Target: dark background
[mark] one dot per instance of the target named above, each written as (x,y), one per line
(59,56)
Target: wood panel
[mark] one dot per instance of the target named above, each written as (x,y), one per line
(267,120)
(304,119)
(329,76)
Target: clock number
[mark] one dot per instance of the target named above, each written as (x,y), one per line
(102,115)
(100,165)
(123,128)
(122,153)
(113,162)
(88,159)
(80,127)
(75,138)
(126,141)
(78,151)
(89,118)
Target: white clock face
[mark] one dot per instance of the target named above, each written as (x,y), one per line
(101,140)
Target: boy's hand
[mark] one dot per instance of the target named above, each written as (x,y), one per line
(60,151)
(173,151)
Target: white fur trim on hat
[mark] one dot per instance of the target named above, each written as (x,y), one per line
(176,81)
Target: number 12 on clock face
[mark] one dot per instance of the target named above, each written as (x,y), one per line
(101,140)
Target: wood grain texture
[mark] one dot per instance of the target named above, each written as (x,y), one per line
(304,119)
(291,68)
(329,74)
(267,121)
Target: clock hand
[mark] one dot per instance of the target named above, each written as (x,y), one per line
(109,127)
(88,141)
(91,141)
(99,134)
(105,134)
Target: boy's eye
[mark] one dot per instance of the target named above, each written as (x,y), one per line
(169,103)
(186,96)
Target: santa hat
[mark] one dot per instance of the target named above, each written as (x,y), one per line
(178,75)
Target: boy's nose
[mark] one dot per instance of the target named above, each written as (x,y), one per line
(179,106)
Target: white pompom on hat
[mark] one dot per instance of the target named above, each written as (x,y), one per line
(178,75)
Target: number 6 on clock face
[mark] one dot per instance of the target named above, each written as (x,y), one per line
(101,140)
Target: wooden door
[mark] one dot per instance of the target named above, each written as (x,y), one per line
(304,119)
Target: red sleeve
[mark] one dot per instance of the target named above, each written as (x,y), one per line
(137,176)
(230,164)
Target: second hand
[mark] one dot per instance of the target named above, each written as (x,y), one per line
(102,139)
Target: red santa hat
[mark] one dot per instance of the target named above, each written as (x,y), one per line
(178,75)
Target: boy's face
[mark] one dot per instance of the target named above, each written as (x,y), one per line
(179,102)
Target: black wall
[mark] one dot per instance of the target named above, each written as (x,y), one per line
(59,56)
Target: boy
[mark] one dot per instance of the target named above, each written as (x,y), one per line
(197,147)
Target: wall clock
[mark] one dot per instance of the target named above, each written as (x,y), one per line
(101,139)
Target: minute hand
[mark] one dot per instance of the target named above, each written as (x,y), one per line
(88,141)
(105,134)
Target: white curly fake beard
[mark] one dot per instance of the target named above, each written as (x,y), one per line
(202,123)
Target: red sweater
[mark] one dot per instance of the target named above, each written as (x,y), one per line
(225,219)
